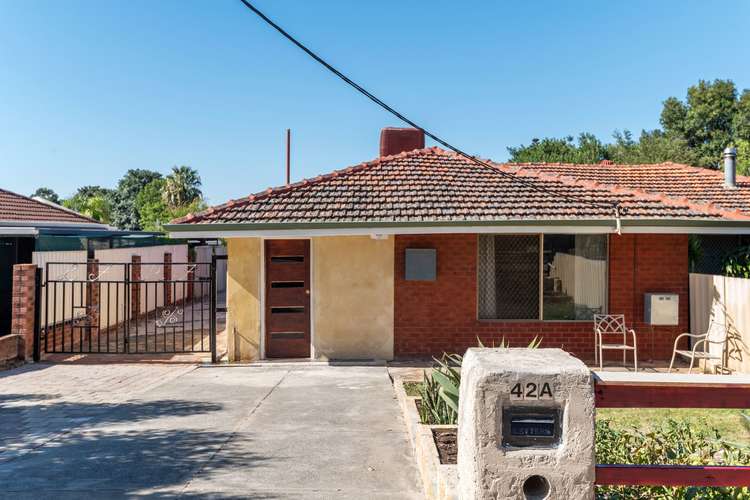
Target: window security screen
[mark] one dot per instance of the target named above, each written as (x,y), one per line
(508,277)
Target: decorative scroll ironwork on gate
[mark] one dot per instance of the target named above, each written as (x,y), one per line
(128,308)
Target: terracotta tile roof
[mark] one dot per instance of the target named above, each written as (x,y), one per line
(699,185)
(18,208)
(433,185)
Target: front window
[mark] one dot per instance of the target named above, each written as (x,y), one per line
(550,277)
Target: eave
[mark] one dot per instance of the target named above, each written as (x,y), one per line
(592,226)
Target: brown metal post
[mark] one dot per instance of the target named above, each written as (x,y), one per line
(167,278)
(288,156)
(93,293)
(135,288)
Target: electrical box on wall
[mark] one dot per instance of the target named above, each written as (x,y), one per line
(421,264)
(661,309)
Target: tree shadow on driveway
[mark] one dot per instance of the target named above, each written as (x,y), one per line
(74,450)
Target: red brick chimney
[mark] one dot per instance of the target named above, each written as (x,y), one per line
(397,140)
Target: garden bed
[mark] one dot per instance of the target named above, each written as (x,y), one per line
(439,479)
(446,441)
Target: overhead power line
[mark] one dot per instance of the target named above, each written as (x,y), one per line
(615,206)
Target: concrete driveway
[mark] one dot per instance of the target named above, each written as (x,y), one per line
(125,430)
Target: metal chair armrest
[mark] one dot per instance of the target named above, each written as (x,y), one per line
(701,341)
(677,339)
(632,332)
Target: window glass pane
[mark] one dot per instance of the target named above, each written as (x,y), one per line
(508,274)
(575,276)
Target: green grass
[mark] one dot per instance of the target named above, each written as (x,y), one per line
(412,388)
(731,424)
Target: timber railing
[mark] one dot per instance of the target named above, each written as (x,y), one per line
(659,390)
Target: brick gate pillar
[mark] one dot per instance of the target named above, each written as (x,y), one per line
(24,306)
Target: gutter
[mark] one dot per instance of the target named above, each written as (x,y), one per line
(594,226)
(55,224)
(18,231)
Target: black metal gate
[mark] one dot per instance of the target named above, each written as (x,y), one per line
(128,308)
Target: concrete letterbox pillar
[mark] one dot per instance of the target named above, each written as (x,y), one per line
(525,425)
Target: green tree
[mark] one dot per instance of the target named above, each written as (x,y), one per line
(47,194)
(92,201)
(588,149)
(154,210)
(743,157)
(124,212)
(653,146)
(193,207)
(182,186)
(151,207)
(742,133)
(694,131)
(711,118)
(98,207)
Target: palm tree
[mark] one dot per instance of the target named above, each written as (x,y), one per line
(182,186)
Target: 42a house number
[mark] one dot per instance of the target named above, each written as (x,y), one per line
(531,390)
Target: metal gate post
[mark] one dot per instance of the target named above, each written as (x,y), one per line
(37,314)
(212,334)
(127,311)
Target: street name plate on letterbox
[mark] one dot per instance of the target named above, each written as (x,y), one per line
(531,426)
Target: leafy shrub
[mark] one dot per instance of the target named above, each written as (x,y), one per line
(737,264)
(673,442)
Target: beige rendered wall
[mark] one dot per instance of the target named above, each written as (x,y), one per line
(243,298)
(353,297)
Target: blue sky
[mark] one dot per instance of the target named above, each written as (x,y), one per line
(91,88)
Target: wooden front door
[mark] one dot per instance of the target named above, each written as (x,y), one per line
(287,298)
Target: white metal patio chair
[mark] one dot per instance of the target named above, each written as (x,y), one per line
(610,333)
(716,334)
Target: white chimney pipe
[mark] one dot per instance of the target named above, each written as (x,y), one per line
(730,168)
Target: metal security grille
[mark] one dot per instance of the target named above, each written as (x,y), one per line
(508,276)
(707,257)
(128,308)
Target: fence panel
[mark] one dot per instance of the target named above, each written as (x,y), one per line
(659,390)
(152,270)
(203,254)
(59,310)
(728,301)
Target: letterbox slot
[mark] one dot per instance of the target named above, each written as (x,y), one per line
(531,426)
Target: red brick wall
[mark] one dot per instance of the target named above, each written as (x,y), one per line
(437,316)
(24,305)
(661,266)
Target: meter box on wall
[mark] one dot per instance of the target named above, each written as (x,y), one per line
(526,425)
(661,309)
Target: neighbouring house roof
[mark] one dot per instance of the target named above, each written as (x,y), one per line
(434,186)
(699,185)
(19,210)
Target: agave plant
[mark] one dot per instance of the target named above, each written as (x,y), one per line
(439,391)
(433,409)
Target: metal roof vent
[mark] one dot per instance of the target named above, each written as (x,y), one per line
(730,168)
